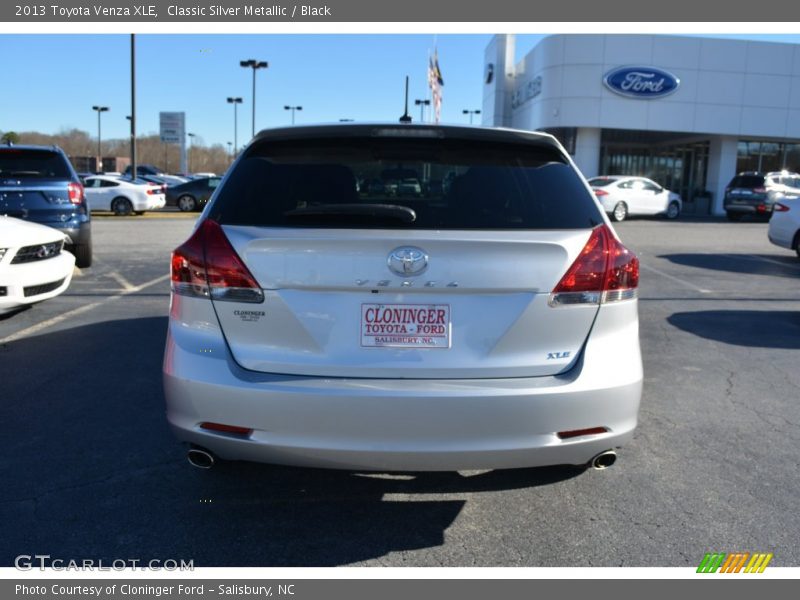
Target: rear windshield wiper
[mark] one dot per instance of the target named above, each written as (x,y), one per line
(378,211)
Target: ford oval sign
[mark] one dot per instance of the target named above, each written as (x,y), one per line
(641,82)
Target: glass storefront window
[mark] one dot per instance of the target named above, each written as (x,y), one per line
(753,155)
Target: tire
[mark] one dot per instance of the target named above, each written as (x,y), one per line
(187,203)
(797,244)
(734,216)
(83,255)
(121,207)
(138,213)
(620,212)
(673,210)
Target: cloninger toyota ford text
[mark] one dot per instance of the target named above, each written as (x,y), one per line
(321,317)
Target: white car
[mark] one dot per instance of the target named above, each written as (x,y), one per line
(121,195)
(33,263)
(631,196)
(784,225)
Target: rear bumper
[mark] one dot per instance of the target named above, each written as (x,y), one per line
(404,424)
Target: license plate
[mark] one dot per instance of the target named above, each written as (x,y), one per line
(405,325)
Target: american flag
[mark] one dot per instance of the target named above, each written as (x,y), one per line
(435,82)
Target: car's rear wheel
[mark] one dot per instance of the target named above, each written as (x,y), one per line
(187,203)
(121,207)
(83,255)
(673,210)
(733,216)
(620,212)
(797,243)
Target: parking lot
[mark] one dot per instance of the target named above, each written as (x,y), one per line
(92,471)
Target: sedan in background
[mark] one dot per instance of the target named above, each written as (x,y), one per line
(33,263)
(122,196)
(784,226)
(192,195)
(622,197)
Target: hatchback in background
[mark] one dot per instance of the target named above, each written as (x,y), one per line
(753,193)
(33,266)
(491,326)
(192,195)
(784,226)
(622,197)
(123,196)
(38,184)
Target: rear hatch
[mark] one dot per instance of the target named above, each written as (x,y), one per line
(746,190)
(361,282)
(34,185)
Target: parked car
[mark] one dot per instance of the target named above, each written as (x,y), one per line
(144,170)
(784,226)
(192,195)
(492,326)
(123,196)
(754,193)
(33,265)
(622,197)
(38,184)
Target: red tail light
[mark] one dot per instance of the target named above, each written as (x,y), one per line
(75,191)
(235,429)
(208,266)
(780,207)
(151,191)
(600,193)
(604,271)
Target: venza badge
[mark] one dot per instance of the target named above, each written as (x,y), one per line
(407,260)
(641,82)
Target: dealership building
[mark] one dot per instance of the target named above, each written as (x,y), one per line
(688,112)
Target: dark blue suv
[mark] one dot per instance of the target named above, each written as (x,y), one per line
(38,183)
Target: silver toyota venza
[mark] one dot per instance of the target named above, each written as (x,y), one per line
(403,297)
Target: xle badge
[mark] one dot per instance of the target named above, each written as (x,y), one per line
(555,355)
(249,316)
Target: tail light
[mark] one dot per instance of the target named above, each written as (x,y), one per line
(780,208)
(599,193)
(207,266)
(604,271)
(75,192)
(761,208)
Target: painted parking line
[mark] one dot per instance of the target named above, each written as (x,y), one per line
(80,310)
(126,285)
(675,279)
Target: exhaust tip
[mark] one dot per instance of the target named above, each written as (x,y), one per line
(604,460)
(200,458)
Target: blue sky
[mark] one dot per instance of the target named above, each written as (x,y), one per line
(358,77)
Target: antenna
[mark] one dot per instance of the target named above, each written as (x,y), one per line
(406,118)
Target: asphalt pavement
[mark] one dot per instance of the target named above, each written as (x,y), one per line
(91,469)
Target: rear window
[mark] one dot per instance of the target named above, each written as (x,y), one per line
(404,184)
(601,181)
(747,181)
(20,163)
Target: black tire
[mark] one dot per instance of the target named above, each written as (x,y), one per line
(797,243)
(121,206)
(138,213)
(83,255)
(673,210)
(620,212)
(734,216)
(186,203)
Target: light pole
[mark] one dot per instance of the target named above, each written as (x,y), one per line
(422,104)
(470,113)
(99,162)
(235,102)
(191,139)
(230,152)
(255,65)
(292,108)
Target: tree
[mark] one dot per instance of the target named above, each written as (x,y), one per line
(10,136)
